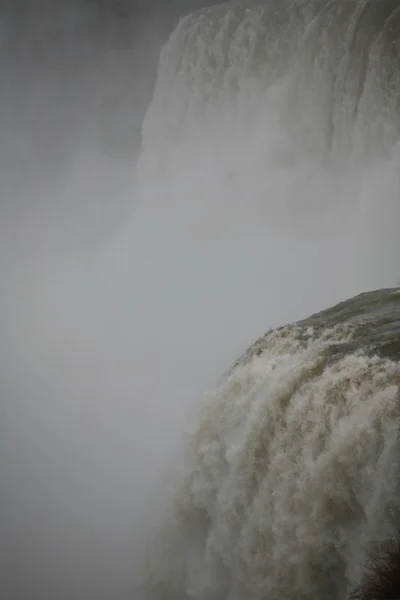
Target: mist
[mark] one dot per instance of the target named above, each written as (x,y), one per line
(76,82)
(126,295)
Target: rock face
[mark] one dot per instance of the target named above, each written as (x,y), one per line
(381,578)
(291,473)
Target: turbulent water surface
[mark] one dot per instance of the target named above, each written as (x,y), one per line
(292,470)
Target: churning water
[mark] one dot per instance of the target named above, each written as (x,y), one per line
(267,189)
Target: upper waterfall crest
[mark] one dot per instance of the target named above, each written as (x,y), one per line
(339,63)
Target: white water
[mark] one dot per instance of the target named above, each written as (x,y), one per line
(241,219)
(291,474)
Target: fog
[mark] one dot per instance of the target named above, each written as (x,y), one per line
(76,82)
(119,308)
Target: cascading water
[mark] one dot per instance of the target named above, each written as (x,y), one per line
(273,134)
(286,112)
(292,470)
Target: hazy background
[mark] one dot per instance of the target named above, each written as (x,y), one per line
(76,79)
